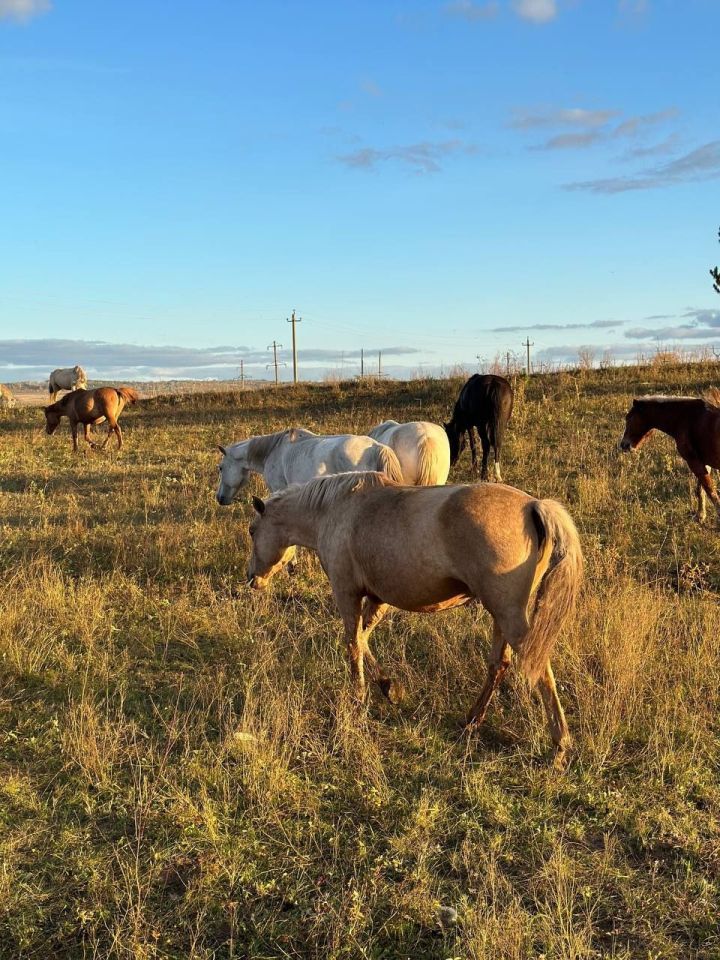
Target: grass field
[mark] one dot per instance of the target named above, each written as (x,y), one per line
(183,773)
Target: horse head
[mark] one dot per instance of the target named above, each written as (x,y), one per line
(637,428)
(456,439)
(270,549)
(234,474)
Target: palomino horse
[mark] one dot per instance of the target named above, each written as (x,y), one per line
(421,447)
(7,398)
(89,407)
(296,456)
(485,402)
(694,425)
(427,549)
(66,378)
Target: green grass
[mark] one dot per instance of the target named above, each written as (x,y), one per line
(183,773)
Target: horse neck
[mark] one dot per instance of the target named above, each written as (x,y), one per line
(664,417)
(258,450)
(301,525)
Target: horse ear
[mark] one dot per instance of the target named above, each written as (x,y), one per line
(223,451)
(259,505)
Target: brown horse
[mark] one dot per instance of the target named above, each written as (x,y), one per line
(694,425)
(427,549)
(89,407)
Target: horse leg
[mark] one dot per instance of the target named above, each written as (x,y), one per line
(705,484)
(473,452)
(373,612)
(555,715)
(485,441)
(86,434)
(700,494)
(498,662)
(350,607)
(118,434)
(497,447)
(73,430)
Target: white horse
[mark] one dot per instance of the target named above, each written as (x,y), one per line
(422,448)
(66,378)
(296,456)
(7,398)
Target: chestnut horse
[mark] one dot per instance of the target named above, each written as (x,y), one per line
(485,403)
(89,407)
(694,425)
(427,549)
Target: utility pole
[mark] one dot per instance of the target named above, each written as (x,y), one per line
(274,347)
(242,375)
(507,363)
(379,363)
(362,363)
(527,346)
(293,320)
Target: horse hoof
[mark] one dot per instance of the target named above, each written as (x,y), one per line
(393,690)
(562,759)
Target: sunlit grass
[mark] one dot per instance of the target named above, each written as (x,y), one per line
(183,772)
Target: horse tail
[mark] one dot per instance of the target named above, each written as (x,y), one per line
(50,386)
(428,469)
(128,394)
(389,464)
(560,571)
(501,404)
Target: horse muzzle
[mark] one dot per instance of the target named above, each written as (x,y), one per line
(625,445)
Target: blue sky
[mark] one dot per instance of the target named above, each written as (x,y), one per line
(436,179)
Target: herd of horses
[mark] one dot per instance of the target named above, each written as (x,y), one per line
(389,532)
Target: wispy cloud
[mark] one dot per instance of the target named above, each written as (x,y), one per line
(468,10)
(370,87)
(423,157)
(701,325)
(595,126)
(22,10)
(34,359)
(700,164)
(595,325)
(537,11)
(668,145)
(530,118)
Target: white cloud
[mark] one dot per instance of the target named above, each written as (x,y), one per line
(539,11)
(22,10)
(473,11)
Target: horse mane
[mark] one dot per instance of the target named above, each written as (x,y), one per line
(712,396)
(323,491)
(664,398)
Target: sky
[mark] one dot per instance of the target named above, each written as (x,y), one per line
(434,180)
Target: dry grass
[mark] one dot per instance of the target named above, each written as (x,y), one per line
(182,771)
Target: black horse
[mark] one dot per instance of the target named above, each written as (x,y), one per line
(485,402)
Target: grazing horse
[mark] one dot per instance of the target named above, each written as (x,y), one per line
(427,549)
(422,449)
(296,456)
(66,378)
(485,403)
(694,425)
(89,407)
(7,398)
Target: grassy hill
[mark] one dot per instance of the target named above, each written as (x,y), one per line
(183,774)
